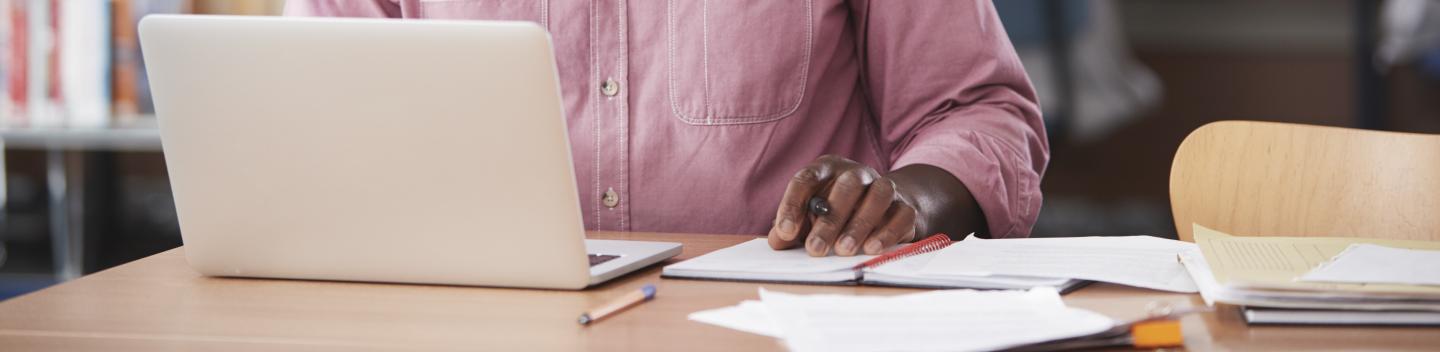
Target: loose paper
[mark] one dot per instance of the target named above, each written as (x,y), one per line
(1140,261)
(949,320)
(1375,264)
(750,316)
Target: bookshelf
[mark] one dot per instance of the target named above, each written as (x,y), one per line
(77,63)
(142,135)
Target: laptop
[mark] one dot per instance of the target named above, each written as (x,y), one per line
(373,150)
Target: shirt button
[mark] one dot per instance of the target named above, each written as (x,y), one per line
(609,87)
(611,199)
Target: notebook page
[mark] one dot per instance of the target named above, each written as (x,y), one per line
(911,268)
(1140,261)
(757,256)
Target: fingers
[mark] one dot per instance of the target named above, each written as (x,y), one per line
(790,216)
(899,227)
(877,201)
(780,244)
(844,198)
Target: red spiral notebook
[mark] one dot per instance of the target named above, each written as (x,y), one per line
(754,260)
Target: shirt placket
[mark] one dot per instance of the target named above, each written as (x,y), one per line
(611,111)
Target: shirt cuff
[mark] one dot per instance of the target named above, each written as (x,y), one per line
(1003,184)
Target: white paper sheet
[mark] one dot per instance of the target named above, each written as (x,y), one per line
(1375,264)
(952,320)
(1140,261)
(750,316)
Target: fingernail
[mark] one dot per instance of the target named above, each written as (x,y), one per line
(816,246)
(873,247)
(787,229)
(846,246)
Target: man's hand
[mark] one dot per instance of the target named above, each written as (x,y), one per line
(870,212)
(866,212)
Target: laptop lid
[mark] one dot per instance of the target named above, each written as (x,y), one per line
(367,150)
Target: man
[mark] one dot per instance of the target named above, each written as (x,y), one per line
(906,117)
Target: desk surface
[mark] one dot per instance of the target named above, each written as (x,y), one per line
(158,303)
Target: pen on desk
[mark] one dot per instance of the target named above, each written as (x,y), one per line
(624,302)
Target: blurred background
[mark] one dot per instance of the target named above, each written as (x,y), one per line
(1121,83)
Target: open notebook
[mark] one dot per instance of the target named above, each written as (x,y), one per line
(755,261)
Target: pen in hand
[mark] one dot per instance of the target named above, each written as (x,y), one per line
(819,206)
(624,302)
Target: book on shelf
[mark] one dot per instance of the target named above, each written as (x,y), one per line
(13,58)
(39,52)
(84,62)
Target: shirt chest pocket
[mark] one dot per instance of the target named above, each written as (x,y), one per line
(494,10)
(737,62)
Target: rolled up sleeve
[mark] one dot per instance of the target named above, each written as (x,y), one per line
(947,89)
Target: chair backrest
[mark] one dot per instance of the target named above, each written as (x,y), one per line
(1276,179)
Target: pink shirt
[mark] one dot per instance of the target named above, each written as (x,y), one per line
(711,106)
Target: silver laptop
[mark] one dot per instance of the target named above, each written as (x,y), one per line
(373,150)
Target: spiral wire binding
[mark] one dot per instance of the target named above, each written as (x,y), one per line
(930,244)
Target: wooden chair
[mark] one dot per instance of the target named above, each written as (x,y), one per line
(1251,178)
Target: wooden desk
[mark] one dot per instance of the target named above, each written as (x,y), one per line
(158,303)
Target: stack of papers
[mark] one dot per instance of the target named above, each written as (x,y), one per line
(1329,278)
(936,320)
